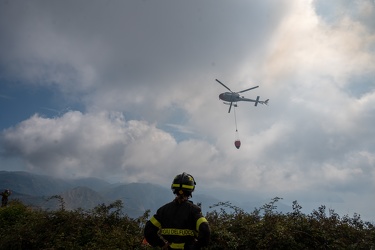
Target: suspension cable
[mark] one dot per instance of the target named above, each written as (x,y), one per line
(235,118)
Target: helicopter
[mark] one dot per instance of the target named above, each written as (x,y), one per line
(231,98)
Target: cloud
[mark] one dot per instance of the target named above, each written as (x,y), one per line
(144,74)
(102,145)
(85,144)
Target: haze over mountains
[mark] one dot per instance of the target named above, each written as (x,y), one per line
(37,190)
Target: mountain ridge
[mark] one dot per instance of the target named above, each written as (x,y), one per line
(87,193)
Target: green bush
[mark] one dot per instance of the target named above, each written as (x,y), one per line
(105,227)
(264,228)
(102,228)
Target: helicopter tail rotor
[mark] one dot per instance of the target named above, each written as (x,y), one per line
(264,102)
(256,101)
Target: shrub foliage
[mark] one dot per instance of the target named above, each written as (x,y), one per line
(106,227)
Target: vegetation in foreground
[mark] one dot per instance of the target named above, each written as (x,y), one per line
(105,227)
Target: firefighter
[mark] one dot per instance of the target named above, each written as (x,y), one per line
(180,223)
(4,199)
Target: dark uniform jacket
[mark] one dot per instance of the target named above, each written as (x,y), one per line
(181,224)
(4,199)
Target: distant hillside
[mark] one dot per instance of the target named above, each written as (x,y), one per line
(139,196)
(36,190)
(31,184)
(82,197)
(87,193)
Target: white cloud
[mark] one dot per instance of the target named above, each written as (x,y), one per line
(104,144)
(85,144)
(156,63)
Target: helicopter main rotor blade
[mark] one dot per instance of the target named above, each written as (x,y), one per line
(248,89)
(224,85)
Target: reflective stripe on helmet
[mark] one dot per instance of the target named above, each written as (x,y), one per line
(200,221)
(182,186)
(155,222)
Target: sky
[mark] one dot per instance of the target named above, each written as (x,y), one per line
(126,91)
